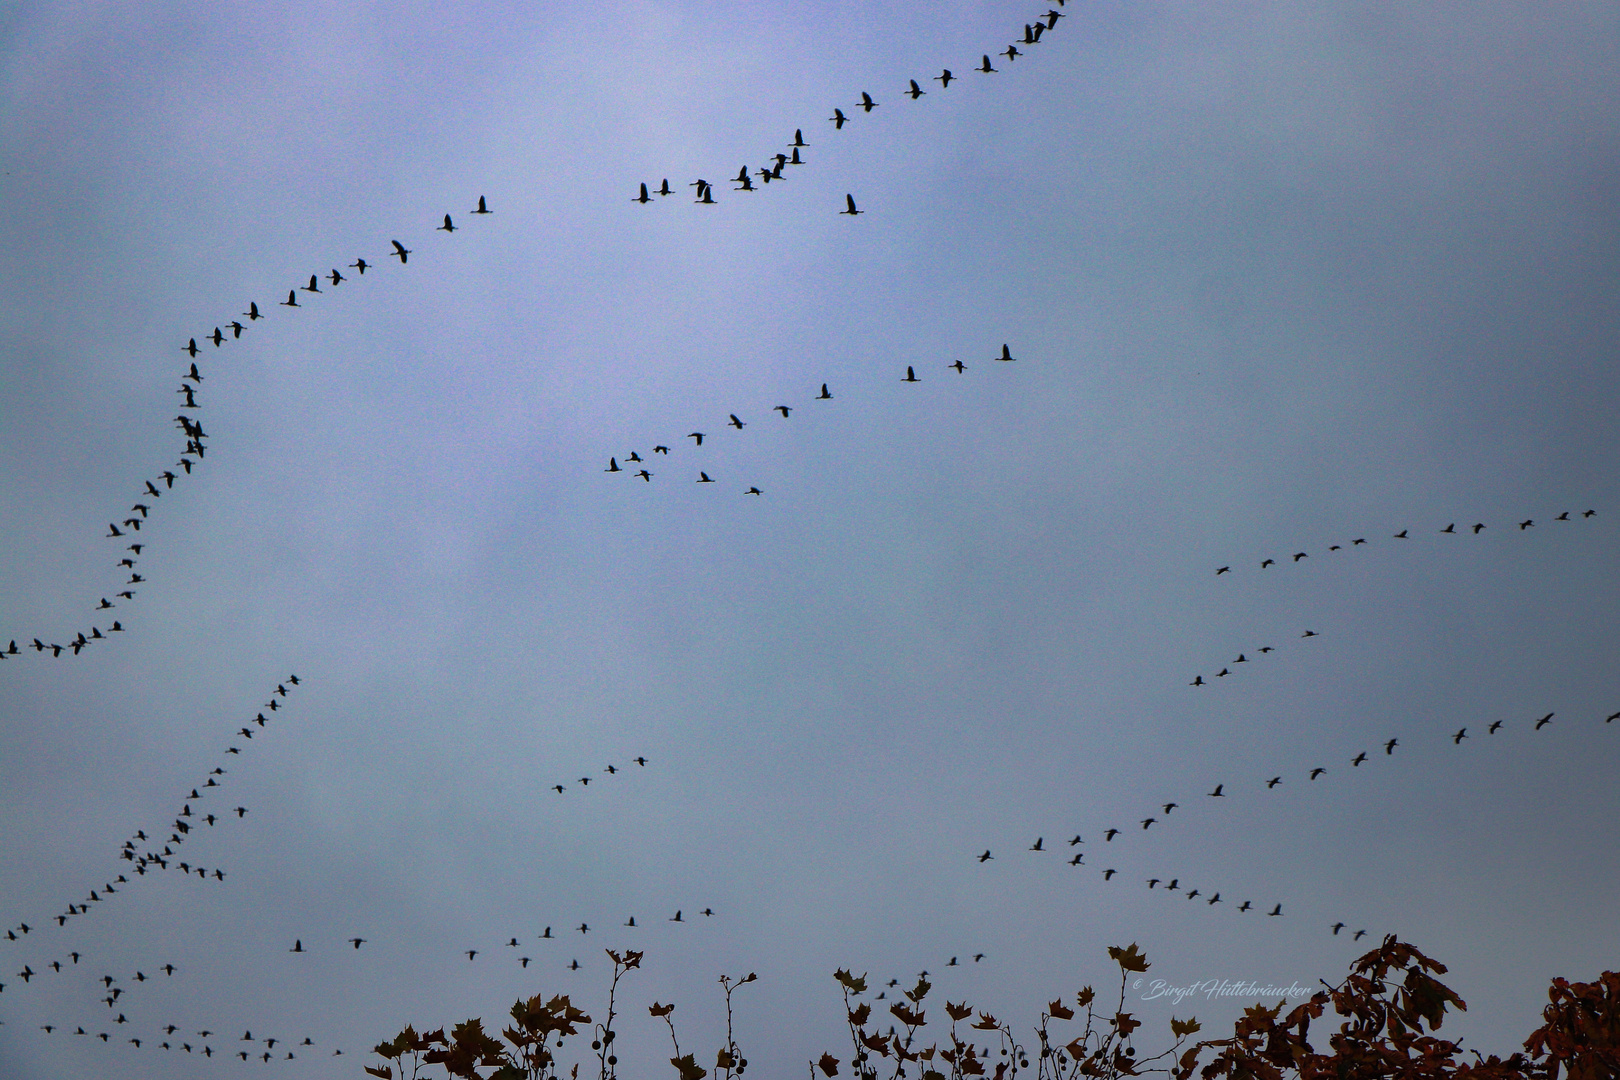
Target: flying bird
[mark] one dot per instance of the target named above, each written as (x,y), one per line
(985,65)
(402,251)
(911,376)
(1006,354)
(644,197)
(916,91)
(944,78)
(838,119)
(482,209)
(736,423)
(986,857)
(850,199)
(867,103)
(824,395)
(292,298)
(447,226)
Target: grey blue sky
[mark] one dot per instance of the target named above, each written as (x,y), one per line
(1276,278)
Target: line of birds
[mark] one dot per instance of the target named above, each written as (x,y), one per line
(773,170)
(1231,667)
(1405,534)
(734,421)
(1219,792)
(195,450)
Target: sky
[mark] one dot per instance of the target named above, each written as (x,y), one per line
(1276,280)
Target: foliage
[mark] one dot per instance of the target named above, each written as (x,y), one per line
(1391,1003)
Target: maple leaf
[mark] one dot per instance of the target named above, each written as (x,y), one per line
(828,1065)
(691,1070)
(1179,1028)
(1129,959)
(661,1010)
(851,983)
(1125,1024)
(907,1017)
(986,1022)
(958,1012)
(860,1015)
(1059,1011)
(1084,997)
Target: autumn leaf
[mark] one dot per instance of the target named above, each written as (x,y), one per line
(724,1060)
(385,1072)
(958,1012)
(690,1069)
(907,1017)
(851,983)
(828,1065)
(1059,1011)
(1179,1028)
(1124,1024)
(1129,959)
(1085,996)
(859,1016)
(880,1043)
(661,1010)
(986,1022)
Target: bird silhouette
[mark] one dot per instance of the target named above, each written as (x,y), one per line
(911,376)
(314,284)
(336,277)
(1036,846)
(1274,781)
(851,211)
(959,366)
(824,395)
(703,478)
(783,409)
(190,347)
(736,423)
(448,226)
(402,251)
(867,103)
(944,78)
(1462,733)
(1006,354)
(916,91)
(292,298)
(1544,721)
(360,265)
(1218,793)
(698,435)
(252,312)
(985,65)
(482,208)
(838,119)
(1389,747)
(1318,771)
(643,197)
(986,857)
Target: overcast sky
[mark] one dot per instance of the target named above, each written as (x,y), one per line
(1275,279)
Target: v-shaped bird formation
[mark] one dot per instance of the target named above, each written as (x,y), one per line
(663,451)
(1160,814)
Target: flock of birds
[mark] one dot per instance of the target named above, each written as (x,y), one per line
(774,168)
(734,421)
(204,808)
(127,531)
(1160,813)
(1263,651)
